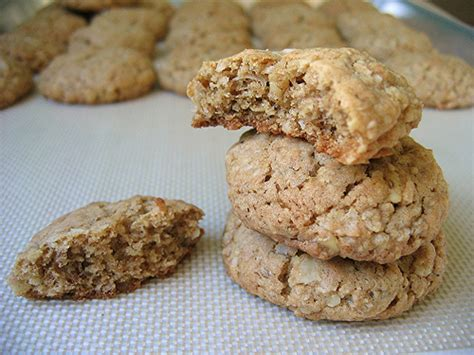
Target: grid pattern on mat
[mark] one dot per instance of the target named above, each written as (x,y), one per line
(55,158)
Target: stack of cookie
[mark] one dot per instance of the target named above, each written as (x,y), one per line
(337,214)
(281,24)
(226,31)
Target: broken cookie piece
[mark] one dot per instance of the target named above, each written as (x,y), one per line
(337,289)
(347,104)
(104,249)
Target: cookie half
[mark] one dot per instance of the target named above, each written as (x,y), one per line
(338,289)
(343,101)
(381,211)
(98,76)
(104,249)
(16,81)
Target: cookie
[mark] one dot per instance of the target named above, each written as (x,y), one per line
(108,35)
(440,81)
(162,6)
(181,64)
(381,35)
(303,36)
(304,27)
(144,18)
(197,33)
(98,76)
(30,50)
(338,289)
(95,5)
(381,211)
(334,8)
(343,101)
(53,23)
(228,13)
(15,81)
(286,15)
(104,249)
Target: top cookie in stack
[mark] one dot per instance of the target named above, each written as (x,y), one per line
(336,213)
(347,104)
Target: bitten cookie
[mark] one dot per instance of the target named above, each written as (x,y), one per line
(145,18)
(15,81)
(106,35)
(98,76)
(104,249)
(380,211)
(343,101)
(338,289)
(440,81)
(95,5)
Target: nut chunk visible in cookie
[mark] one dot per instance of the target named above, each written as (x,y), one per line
(104,249)
(343,101)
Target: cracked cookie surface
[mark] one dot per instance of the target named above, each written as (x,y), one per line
(98,76)
(343,101)
(381,211)
(338,289)
(104,249)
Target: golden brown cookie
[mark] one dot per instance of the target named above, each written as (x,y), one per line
(440,81)
(98,76)
(15,81)
(145,18)
(343,101)
(380,211)
(104,249)
(106,35)
(338,289)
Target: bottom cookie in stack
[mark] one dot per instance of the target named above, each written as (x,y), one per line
(337,289)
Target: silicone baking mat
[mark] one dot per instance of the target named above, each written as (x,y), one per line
(55,158)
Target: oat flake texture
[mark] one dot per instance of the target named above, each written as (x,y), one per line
(55,158)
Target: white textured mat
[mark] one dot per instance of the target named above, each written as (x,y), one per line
(55,158)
